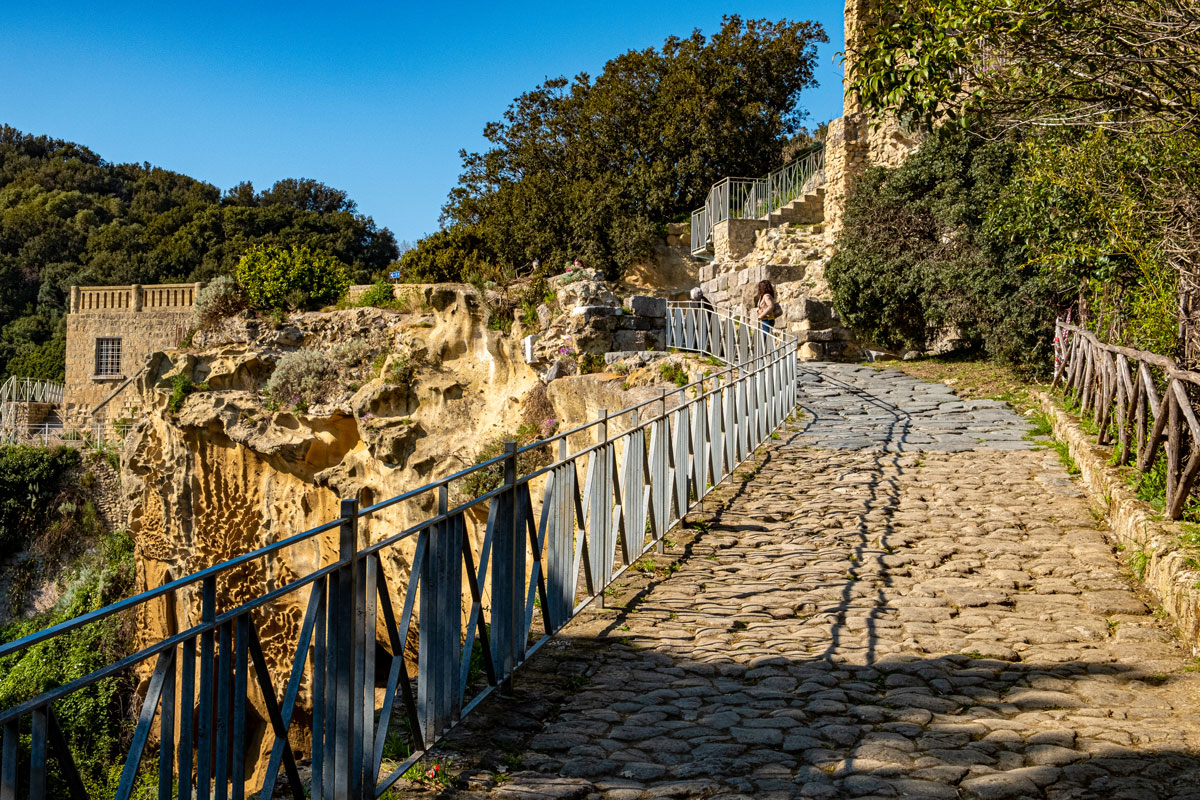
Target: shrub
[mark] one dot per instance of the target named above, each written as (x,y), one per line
(447,255)
(221,298)
(382,294)
(91,718)
(1108,219)
(29,479)
(181,387)
(304,377)
(485,480)
(402,371)
(673,372)
(921,255)
(912,262)
(590,363)
(274,278)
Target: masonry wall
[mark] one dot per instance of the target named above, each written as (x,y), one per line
(856,141)
(146,319)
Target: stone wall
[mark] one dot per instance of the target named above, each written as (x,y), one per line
(29,415)
(734,238)
(856,140)
(146,319)
(793,259)
(844,156)
(103,484)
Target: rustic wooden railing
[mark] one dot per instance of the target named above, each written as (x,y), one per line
(1139,401)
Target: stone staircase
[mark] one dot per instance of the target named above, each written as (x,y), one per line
(808,209)
(792,256)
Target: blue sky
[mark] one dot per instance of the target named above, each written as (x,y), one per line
(373,99)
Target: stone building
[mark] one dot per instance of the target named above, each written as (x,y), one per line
(110,332)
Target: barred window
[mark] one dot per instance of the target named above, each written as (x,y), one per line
(108,356)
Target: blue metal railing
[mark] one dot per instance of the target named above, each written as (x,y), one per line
(498,596)
(757,198)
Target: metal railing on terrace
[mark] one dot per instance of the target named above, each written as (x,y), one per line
(17,391)
(483,596)
(757,198)
(31,390)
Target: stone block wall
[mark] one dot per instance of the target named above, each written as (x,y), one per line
(734,238)
(146,319)
(855,140)
(679,234)
(103,485)
(845,159)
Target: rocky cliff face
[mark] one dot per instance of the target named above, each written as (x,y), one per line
(219,466)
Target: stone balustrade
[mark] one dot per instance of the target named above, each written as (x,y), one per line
(173,297)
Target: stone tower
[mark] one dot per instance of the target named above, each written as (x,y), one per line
(858,139)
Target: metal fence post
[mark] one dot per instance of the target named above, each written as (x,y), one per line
(508,576)
(601,545)
(208,592)
(561,545)
(440,626)
(346,641)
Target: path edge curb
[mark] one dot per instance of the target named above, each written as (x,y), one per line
(1133,524)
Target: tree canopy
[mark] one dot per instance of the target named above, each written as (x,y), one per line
(67,217)
(1114,63)
(590,167)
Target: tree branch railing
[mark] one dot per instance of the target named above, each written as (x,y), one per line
(1138,401)
(757,198)
(465,601)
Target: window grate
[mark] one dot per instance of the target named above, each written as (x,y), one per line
(108,356)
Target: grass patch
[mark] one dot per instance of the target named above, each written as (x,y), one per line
(590,363)
(1064,455)
(1041,425)
(673,372)
(1137,562)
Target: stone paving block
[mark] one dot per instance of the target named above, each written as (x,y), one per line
(862,620)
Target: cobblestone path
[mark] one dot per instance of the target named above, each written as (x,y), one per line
(851,621)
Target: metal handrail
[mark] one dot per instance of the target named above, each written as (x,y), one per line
(757,198)
(602,507)
(17,390)
(31,390)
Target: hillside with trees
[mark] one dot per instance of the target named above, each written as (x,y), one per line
(67,217)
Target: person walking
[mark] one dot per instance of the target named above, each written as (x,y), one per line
(765,306)
(699,298)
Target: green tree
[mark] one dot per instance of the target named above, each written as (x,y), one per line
(69,217)
(921,256)
(590,168)
(1096,213)
(1116,63)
